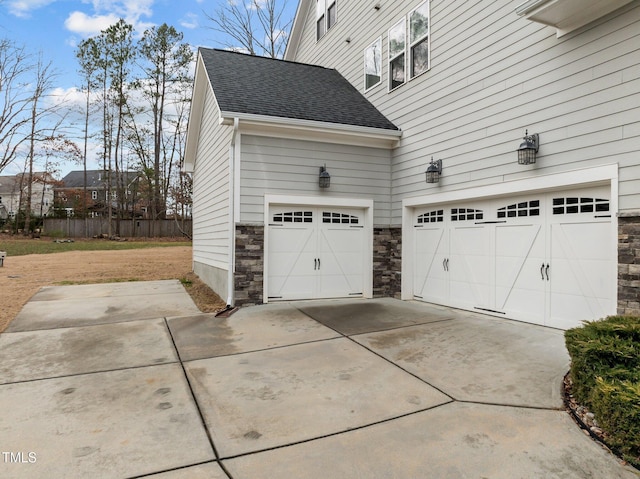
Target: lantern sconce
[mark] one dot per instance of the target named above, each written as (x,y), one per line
(434,170)
(528,149)
(324,179)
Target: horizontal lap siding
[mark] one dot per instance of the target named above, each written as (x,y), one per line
(493,75)
(291,167)
(211,190)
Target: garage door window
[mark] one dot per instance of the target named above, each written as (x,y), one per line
(293,217)
(462,214)
(436,216)
(573,204)
(329,217)
(524,208)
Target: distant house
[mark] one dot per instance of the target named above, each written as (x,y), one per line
(14,190)
(69,194)
(320,176)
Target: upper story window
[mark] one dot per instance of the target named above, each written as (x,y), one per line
(326,16)
(397,42)
(416,48)
(94,195)
(419,39)
(373,64)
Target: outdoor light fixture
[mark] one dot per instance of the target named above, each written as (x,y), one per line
(324,179)
(528,149)
(434,171)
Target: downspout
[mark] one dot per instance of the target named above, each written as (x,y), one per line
(233,151)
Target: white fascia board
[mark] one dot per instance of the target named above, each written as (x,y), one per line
(295,35)
(314,130)
(200,84)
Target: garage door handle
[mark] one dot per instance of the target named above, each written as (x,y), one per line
(447,264)
(547,271)
(318,263)
(315,264)
(542,271)
(444,264)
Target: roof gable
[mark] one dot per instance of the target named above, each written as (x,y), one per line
(277,88)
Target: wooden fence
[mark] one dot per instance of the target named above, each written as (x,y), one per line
(75,228)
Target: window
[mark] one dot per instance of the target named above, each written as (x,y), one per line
(463,214)
(294,217)
(329,217)
(373,64)
(409,58)
(572,205)
(94,195)
(436,216)
(524,208)
(397,35)
(419,39)
(326,16)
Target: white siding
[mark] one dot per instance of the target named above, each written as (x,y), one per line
(291,167)
(493,75)
(211,190)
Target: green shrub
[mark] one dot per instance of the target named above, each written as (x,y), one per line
(605,370)
(609,348)
(616,404)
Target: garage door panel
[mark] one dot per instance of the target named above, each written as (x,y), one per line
(315,252)
(542,258)
(430,275)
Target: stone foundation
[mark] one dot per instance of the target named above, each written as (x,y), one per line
(387,262)
(629,265)
(248,277)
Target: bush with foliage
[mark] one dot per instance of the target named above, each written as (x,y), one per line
(605,370)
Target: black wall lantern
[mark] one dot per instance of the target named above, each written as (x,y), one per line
(528,149)
(434,171)
(324,179)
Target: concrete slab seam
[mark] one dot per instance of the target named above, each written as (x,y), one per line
(155,473)
(195,401)
(386,359)
(124,368)
(337,433)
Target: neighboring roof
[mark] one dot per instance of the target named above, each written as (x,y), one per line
(95,178)
(264,86)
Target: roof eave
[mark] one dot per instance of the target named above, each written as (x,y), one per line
(318,130)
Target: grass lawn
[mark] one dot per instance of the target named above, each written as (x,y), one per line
(19,246)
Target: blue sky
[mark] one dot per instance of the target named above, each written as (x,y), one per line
(55,27)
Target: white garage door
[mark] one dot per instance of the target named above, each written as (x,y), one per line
(544,258)
(315,253)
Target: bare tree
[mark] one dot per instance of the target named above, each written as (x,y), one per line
(16,67)
(257,27)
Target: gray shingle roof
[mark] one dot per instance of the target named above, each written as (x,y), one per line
(264,86)
(95,178)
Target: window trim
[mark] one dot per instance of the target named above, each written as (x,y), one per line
(322,17)
(379,42)
(407,52)
(402,53)
(426,37)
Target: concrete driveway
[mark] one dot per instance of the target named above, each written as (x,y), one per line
(131,380)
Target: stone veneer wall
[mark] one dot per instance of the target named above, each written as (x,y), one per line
(629,264)
(387,262)
(248,277)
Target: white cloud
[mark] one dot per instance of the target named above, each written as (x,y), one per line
(23,8)
(87,26)
(190,21)
(108,12)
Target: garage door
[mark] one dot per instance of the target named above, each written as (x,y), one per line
(315,253)
(546,258)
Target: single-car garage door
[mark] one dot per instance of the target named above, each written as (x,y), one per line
(546,258)
(316,252)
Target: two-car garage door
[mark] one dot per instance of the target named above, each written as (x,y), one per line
(316,252)
(542,258)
